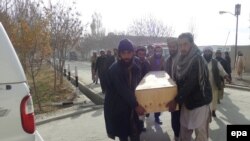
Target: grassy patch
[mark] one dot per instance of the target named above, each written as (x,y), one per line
(45,90)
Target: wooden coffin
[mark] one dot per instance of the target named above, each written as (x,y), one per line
(155,90)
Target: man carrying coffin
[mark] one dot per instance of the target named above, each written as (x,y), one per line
(194,90)
(157,64)
(121,108)
(171,60)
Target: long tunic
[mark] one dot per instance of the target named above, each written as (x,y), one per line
(240,65)
(215,90)
(192,119)
(120,100)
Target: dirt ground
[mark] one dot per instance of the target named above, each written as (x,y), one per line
(45,90)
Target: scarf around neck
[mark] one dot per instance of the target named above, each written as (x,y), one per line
(183,63)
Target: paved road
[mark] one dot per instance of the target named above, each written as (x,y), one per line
(90,126)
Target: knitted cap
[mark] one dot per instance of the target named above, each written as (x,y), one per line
(125,45)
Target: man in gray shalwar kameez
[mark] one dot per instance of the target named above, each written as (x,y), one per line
(194,90)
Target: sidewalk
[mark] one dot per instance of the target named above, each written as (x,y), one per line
(243,84)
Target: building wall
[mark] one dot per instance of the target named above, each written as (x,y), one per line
(246,53)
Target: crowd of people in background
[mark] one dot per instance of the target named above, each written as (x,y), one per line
(199,76)
(100,65)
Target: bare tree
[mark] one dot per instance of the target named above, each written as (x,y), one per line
(5,17)
(97,29)
(66,30)
(93,40)
(150,26)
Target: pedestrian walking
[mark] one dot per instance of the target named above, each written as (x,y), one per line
(218,57)
(101,69)
(93,65)
(121,109)
(157,64)
(228,60)
(110,59)
(171,60)
(216,71)
(194,90)
(240,65)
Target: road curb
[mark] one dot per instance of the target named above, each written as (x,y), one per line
(69,114)
(96,98)
(245,88)
(68,103)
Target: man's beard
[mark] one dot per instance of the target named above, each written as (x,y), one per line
(208,57)
(126,63)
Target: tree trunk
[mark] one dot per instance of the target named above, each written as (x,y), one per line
(61,72)
(55,71)
(35,90)
(62,63)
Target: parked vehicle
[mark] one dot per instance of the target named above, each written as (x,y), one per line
(17,121)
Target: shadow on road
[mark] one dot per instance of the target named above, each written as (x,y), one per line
(230,115)
(154,132)
(231,112)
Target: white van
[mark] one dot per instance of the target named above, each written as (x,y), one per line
(17,121)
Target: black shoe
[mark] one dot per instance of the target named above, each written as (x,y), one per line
(158,121)
(213,114)
(147,115)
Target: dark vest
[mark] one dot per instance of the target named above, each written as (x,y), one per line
(216,74)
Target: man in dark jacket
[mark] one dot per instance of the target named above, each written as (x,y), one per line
(101,69)
(157,64)
(121,109)
(194,90)
(110,59)
(223,62)
(144,66)
(171,60)
(228,60)
(143,62)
